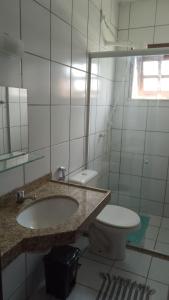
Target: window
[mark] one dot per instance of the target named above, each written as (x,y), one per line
(151,78)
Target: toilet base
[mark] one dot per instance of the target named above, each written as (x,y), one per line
(108,242)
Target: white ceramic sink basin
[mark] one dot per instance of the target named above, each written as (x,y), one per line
(48,212)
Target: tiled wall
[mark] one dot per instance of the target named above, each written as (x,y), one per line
(140,136)
(101,95)
(57,35)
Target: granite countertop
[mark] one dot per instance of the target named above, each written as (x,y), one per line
(15,239)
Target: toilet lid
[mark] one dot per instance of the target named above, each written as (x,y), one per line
(118,216)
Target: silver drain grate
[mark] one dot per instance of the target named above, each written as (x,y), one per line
(118,288)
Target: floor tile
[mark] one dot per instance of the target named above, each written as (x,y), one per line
(155,220)
(78,292)
(151,232)
(165,223)
(148,244)
(98,258)
(159,270)
(89,273)
(40,294)
(162,248)
(82,293)
(127,275)
(135,262)
(163,236)
(161,290)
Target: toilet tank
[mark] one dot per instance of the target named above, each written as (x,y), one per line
(85,177)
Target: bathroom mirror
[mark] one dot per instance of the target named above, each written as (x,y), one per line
(13,122)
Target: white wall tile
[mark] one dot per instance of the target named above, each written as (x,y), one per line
(119,93)
(114,161)
(142,13)
(100,144)
(45,3)
(135,118)
(10,180)
(124,11)
(39,127)
(9,17)
(60,84)
(20,293)
(39,167)
(116,140)
(141,36)
(92,119)
(78,116)
(80,15)
(116,117)
(153,189)
(93,90)
(131,163)
(162,12)
(13,276)
(77,154)
(122,69)
(78,87)
(155,167)
(157,143)
(36,78)
(36,30)
(101,96)
(94,26)
(63,9)
(166,210)
(79,50)
(33,260)
(130,185)
(123,34)
(158,119)
(167,193)
(133,141)
(91,147)
(60,116)
(1,141)
(129,202)
(60,157)
(14,114)
(151,207)
(100,118)
(161,34)
(10,74)
(97,3)
(60,41)
(15,133)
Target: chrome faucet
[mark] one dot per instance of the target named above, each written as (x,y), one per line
(20,196)
(61,173)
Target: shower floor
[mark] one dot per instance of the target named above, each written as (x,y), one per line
(156,236)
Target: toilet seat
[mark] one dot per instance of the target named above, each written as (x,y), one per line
(119,217)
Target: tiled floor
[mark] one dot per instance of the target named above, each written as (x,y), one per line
(157,235)
(137,266)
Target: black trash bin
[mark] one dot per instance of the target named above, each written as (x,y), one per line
(61,266)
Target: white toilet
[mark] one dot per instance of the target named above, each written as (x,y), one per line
(108,233)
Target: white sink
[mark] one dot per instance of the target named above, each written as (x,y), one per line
(48,212)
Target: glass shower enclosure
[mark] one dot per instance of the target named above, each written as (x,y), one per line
(128,136)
